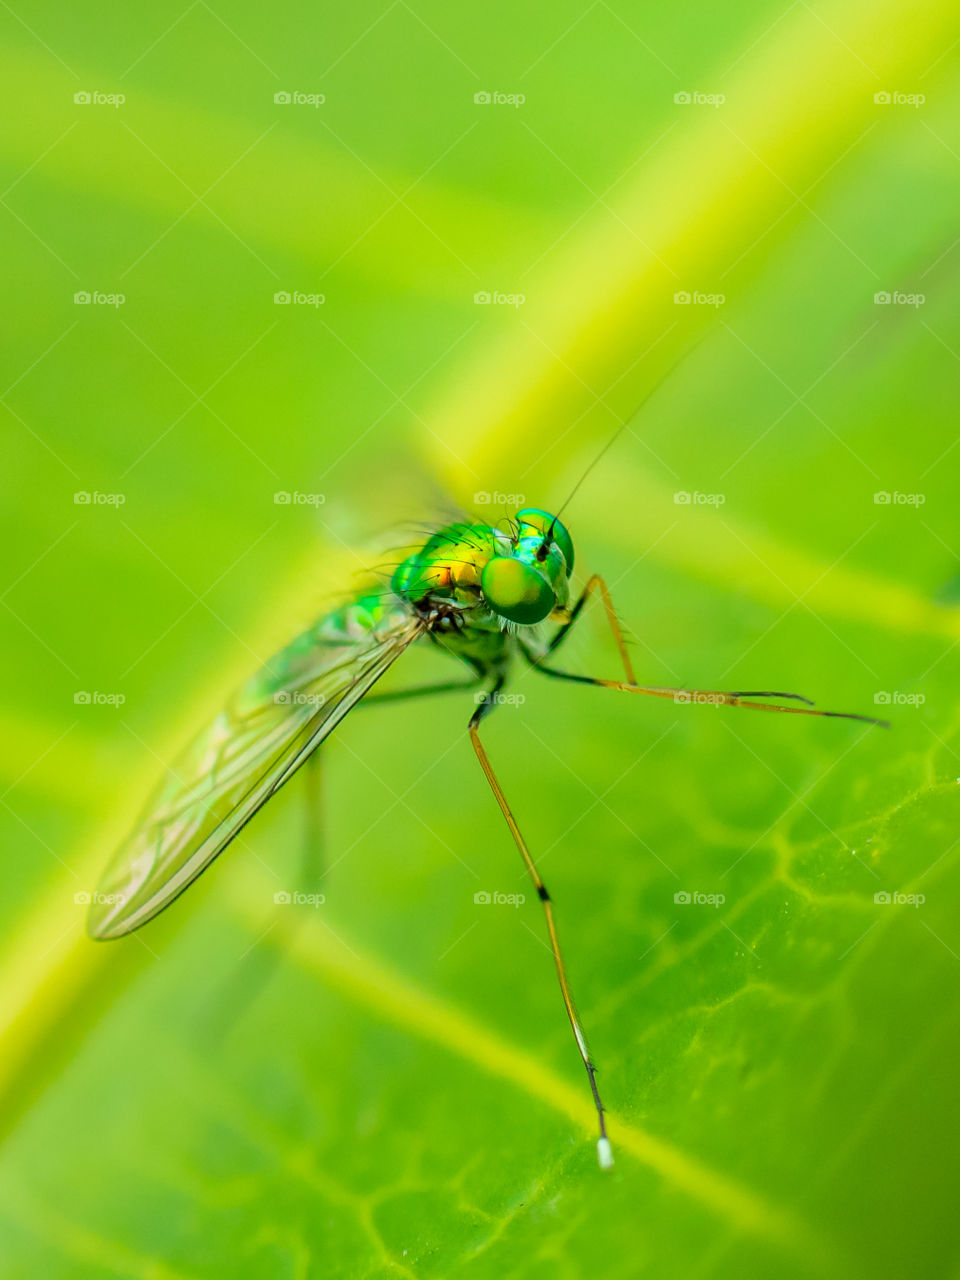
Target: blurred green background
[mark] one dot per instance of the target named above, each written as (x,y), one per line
(388,1087)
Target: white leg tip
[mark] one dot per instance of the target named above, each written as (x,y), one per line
(604,1153)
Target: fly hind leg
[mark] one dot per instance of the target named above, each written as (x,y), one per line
(604,1151)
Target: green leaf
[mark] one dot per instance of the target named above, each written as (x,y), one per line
(758,912)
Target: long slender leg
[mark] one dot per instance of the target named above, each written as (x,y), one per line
(246,984)
(313,858)
(419,691)
(712,697)
(258,966)
(593,584)
(604,1151)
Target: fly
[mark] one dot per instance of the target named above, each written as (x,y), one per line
(488,596)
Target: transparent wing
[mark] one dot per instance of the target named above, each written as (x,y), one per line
(261,738)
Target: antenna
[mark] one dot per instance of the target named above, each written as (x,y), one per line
(645,399)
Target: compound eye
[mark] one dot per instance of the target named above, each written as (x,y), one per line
(517,591)
(544,522)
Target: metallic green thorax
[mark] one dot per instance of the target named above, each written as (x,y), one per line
(475,584)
